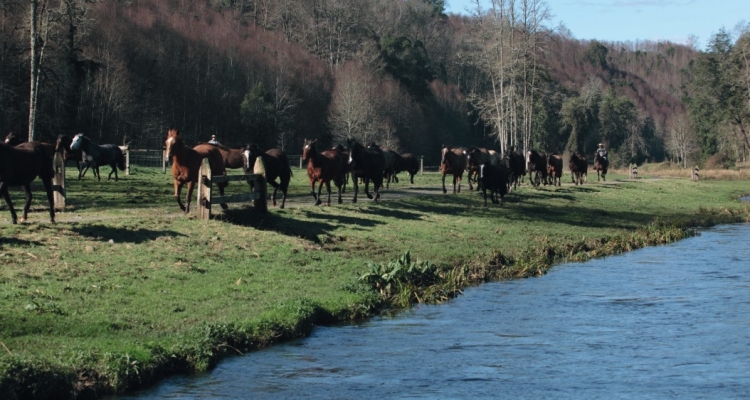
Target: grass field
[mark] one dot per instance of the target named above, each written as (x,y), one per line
(125,288)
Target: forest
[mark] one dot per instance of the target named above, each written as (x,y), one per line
(400,73)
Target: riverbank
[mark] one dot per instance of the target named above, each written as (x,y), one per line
(127,290)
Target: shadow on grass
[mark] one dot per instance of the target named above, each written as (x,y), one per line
(122,235)
(13,242)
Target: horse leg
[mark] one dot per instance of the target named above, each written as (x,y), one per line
(312,191)
(367,188)
(190,187)
(6,195)
(26,191)
(444,189)
(320,188)
(356,188)
(224,206)
(177,191)
(82,170)
(328,188)
(340,186)
(50,198)
(275,189)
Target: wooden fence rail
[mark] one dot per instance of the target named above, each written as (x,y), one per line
(207,198)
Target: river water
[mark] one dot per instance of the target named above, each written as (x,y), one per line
(663,322)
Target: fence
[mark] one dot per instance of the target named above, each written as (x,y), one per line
(206,198)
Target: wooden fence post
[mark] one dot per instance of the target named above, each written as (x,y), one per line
(164,160)
(58,181)
(126,150)
(421,165)
(203,199)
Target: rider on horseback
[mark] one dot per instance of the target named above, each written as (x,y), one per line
(602,152)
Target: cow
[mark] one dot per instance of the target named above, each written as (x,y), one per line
(493,177)
(555,169)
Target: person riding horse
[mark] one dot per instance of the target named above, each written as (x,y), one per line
(601,152)
(213,140)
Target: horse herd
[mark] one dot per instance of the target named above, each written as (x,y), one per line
(21,162)
(501,174)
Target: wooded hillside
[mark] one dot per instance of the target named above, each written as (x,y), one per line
(398,72)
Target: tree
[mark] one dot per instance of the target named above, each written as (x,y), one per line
(257,111)
(352,109)
(681,140)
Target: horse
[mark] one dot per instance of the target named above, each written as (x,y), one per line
(186,164)
(537,166)
(474,158)
(63,146)
(95,155)
(233,158)
(516,168)
(578,168)
(275,165)
(389,157)
(452,161)
(19,166)
(322,168)
(14,141)
(600,166)
(347,169)
(493,177)
(555,169)
(408,163)
(368,164)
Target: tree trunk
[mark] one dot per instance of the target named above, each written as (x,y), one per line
(34,69)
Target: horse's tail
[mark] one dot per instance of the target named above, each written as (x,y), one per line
(120,159)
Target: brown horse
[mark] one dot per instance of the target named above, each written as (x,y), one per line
(368,164)
(63,146)
(578,168)
(275,164)
(186,164)
(389,165)
(233,158)
(322,168)
(600,166)
(19,166)
(453,161)
(516,165)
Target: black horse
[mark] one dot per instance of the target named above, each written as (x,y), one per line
(516,165)
(537,166)
(368,164)
(21,165)
(275,165)
(95,155)
(600,166)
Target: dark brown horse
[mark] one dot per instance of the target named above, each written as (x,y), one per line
(452,161)
(322,168)
(578,168)
(368,164)
(63,146)
(555,169)
(600,166)
(275,165)
(537,166)
(186,164)
(14,141)
(19,166)
(516,165)
(347,168)
(409,163)
(389,166)
(475,157)
(493,177)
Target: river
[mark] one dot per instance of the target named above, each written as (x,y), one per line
(663,322)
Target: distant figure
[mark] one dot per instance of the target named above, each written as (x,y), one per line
(213,140)
(602,152)
(695,174)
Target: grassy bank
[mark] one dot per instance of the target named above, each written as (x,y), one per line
(125,289)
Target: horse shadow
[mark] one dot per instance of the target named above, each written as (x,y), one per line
(14,242)
(315,226)
(123,235)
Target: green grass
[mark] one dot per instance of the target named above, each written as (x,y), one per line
(126,287)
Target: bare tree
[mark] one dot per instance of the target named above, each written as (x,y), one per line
(681,140)
(39,27)
(352,110)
